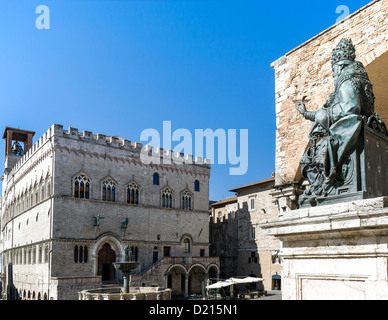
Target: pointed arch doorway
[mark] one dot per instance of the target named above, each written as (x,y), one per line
(106,257)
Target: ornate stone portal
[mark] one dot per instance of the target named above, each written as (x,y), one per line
(335,246)
(347,159)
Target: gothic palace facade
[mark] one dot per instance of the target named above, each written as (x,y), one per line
(73,200)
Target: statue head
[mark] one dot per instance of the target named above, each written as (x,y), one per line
(343,55)
(344,52)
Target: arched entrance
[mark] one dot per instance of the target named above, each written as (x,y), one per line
(106,257)
(196,283)
(176,280)
(214,273)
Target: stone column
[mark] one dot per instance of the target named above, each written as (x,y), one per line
(166,281)
(8,146)
(204,283)
(186,285)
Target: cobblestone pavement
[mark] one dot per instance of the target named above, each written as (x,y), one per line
(272,295)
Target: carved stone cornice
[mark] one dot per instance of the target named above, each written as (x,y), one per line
(131,160)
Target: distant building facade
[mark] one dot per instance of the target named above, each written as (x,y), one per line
(72,201)
(236,237)
(224,235)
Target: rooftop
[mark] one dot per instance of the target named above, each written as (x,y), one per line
(269,180)
(225,201)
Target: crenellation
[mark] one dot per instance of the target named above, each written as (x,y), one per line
(113,141)
(149,150)
(127,144)
(57,130)
(177,157)
(198,160)
(73,133)
(189,159)
(87,135)
(138,146)
(124,144)
(101,138)
(167,153)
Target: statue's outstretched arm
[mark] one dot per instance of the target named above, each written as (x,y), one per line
(309,115)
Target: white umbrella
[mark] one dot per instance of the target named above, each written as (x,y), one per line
(245,280)
(253,279)
(218,285)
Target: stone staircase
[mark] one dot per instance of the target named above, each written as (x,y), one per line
(155,274)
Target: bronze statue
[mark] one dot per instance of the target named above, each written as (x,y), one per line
(128,254)
(336,127)
(124,224)
(17,149)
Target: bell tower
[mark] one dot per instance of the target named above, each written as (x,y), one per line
(17,143)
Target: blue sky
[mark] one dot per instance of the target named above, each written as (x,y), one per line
(120,67)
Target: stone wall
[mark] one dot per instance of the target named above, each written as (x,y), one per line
(306,71)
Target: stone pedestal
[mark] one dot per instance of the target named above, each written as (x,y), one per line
(335,251)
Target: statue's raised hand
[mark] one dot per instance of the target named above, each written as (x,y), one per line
(301,107)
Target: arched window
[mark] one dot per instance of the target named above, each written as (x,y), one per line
(80,254)
(196,185)
(40,254)
(156,179)
(81,187)
(133,193)
(186,245)
(76,254)
(37,195)
(46,253)
(85,254)
(136,254)
(186,200)
(43,195)
(167,195)
(49,189)
(109,190)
